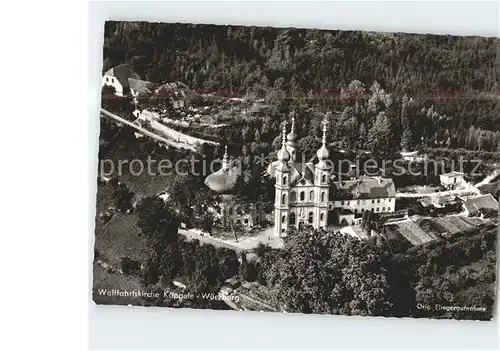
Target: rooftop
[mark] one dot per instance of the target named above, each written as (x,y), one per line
(139,85)
(483,201)
(122,73)
(366,188)
(223,181)
(452,174)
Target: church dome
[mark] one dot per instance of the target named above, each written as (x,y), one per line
(283,154)
(323,153)
(291,136)
(223,181)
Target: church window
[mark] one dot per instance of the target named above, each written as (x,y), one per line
(311,195)
(355,211)
(112,80)
(283,219)
(378,201)
(293,196)
(383,209)
(323,178)
(284,180)
(302,196)
(322,196)
(107,79)
(347,203)
(292,218)
(378,209)
(322,216)
(245,221)
(283,199)
(373,201)
(342,203)
(310,217)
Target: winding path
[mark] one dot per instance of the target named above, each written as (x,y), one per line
(147,132)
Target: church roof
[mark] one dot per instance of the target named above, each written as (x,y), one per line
(223,181)
(366,188)
(298,171)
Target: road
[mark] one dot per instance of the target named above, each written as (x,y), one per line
(147,132)
(205,239)
(489,178)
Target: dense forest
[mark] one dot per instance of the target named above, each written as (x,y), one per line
(232,60)
(387,91)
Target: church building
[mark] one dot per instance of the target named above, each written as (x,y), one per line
(307,193)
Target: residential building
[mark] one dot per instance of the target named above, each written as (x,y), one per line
(474,205)
(452,180)
(118,77)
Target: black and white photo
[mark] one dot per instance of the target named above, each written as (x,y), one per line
(298,171)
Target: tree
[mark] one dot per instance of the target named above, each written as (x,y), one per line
(108,90)
(158,222)
(320,272)
(207,223)
(123,197)
(248,269)
(129,266)
(380,136)
(406,138)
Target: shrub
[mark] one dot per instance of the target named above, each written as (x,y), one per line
(129,266)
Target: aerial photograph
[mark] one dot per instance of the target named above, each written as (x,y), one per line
(297,170)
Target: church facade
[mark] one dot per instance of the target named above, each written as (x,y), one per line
(306,193)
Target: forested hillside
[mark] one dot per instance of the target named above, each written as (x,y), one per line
(400,90)
(234,60)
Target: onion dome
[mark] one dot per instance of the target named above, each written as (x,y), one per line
(322,152)
(283,154)
(292,137)
(224,180)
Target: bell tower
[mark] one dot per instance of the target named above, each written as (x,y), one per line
(282,189)
(321,184)
(291,143)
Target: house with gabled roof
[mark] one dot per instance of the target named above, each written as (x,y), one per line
(125,80)
(475,205)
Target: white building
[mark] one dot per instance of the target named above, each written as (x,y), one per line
(306,193)
(124,80)
(231,211)
(413,156)
(452,180)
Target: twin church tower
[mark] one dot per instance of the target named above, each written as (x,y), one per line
(301,188)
